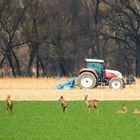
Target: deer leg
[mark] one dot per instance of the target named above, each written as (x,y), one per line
(66,109)
(95,107)
(63,109)
(97,110)
(10,110)
(7,109)
(89,109)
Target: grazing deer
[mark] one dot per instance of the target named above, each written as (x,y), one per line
(123,110)
(136,111)
(9,104)
(91,103)
(64,103)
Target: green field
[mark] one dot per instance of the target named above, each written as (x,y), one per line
(45,121)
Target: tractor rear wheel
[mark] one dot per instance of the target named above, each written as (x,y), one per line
(116,83)
(87,80)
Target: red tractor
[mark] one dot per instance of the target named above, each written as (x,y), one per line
(95,74)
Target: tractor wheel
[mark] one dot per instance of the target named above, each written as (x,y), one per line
(87,80)
(116,83)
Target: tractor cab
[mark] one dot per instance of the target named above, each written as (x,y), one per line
(96,64)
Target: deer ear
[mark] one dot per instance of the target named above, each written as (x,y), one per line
(8,96)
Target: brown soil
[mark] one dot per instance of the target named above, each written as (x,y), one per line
(44,90)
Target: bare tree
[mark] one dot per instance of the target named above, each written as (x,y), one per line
(124,25)
(92,10)
(10,20)
(34,34)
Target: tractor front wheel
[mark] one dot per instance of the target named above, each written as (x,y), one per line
(116,83)
(87,80)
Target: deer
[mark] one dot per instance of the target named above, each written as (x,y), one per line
(91,103)
(136,111)
(123,110)
(64,103)
(9,104)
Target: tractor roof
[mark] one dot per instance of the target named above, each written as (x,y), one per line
(95,60)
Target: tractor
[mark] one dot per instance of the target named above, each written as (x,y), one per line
(95,74)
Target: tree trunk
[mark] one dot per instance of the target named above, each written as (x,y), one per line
(9,58)
(37,62)
(97,30)
(42,66)
(138,58)
(18,70)
(125,57)
(32,56)
(2,61)
(37,68)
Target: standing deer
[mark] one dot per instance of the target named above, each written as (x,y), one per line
(136,111)
(64,103)
(91,103)
(9,104)
(123,110)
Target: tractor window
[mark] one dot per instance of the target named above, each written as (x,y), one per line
(91,65)
(97,66)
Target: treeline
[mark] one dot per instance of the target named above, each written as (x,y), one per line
(53,37)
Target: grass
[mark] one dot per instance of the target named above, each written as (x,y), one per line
(44,121)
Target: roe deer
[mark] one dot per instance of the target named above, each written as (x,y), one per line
(91,103)
(136,111)
(123,110)
(9,104)
(64,103)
